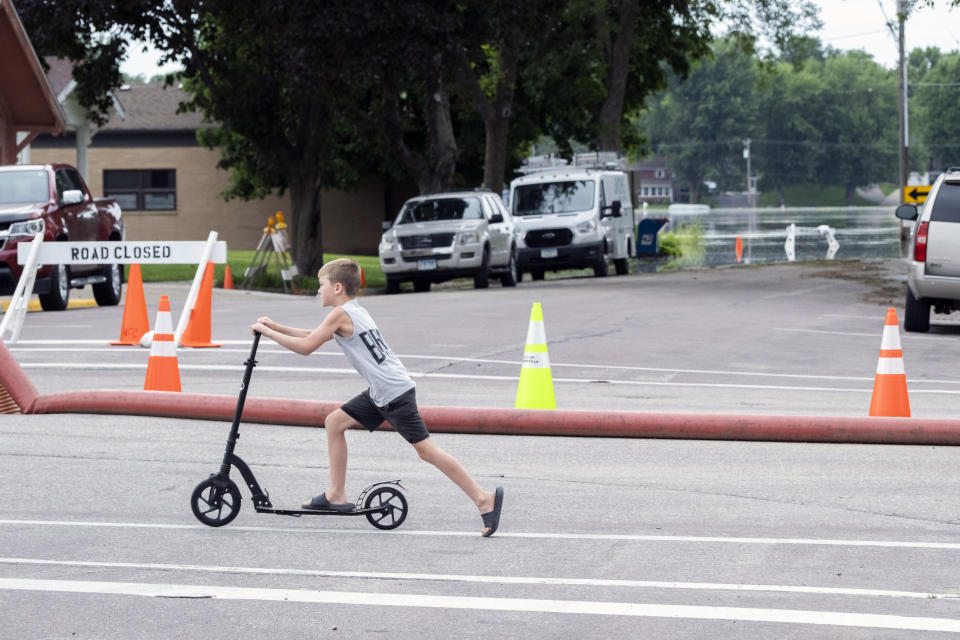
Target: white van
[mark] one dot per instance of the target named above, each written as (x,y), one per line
(573,217)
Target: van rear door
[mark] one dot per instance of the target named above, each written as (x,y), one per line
(943,234)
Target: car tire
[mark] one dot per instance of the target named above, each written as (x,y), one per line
(512,276)
(58,296)
(622,266)
(917,315)
(421,286)
(108,294)
(481,280)
(601,268)
(393,286)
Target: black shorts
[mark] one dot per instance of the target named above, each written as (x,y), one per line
(401,413)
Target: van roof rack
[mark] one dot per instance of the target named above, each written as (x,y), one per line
(599,160)
(548,162)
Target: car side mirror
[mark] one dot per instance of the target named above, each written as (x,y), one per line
(72,196)
(906,212)
(496,218)
(386,224)
(614,210)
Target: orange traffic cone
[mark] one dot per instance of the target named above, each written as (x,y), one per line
(162,371)
(135,322)
(197,333)
(890,385)
(227,278)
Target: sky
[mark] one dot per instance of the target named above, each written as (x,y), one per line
(848,24)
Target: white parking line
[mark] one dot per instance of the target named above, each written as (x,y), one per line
(464,376)
(579,607)
(457,359)
(626,537)
(433,577)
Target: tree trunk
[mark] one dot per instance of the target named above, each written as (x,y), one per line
(495,113)
(305,229)
(850,192)
(695,191)
(611,112)
(432,169)
(780,197)
(441,142)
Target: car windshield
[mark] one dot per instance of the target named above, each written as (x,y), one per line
(437,209)
(23,187)
(553,197)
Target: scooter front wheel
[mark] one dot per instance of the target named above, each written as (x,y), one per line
(215,502)
(391,505)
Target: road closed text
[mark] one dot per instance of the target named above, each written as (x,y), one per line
(120,253)
(125,252)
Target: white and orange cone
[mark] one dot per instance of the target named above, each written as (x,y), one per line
(890,384)
(163,374)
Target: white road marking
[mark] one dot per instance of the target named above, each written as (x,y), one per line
(433,577)
(895,544)
(579,607)
(457,359)
(465,376)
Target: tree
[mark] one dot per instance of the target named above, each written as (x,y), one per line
(858,122)
(936,100)
(788,149)
(699,123)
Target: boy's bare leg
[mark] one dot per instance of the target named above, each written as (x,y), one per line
(336,425)
(429,451)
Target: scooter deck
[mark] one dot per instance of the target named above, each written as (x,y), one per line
(321,512)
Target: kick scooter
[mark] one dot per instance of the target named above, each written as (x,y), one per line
(216,501)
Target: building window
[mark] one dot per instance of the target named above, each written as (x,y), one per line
(142,189)
(660,173)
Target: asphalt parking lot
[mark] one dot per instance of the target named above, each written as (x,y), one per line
(600,537)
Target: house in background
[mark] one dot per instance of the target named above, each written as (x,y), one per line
(168,185)
(652,181)
(60,76)
(28,106)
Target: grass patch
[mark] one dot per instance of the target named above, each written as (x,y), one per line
(268,280)
(684,247)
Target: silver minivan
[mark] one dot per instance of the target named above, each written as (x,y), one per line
(934,277)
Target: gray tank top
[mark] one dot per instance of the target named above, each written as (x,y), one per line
(372,358)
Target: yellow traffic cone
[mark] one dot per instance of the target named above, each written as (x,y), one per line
(536,384)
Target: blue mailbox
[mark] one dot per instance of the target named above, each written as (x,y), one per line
(647,232)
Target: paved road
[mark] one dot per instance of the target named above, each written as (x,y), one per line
(600,537)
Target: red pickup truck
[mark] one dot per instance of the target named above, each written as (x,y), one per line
(55,200)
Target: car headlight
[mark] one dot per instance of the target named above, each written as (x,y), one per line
(587,227)
(469,237)
(387,244)
(26,228)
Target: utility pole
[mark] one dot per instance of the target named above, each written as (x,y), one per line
(746,155)
(902,8)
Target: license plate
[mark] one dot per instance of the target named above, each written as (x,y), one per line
(548,253)
(427,264)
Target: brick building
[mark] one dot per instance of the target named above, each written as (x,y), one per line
(148,158)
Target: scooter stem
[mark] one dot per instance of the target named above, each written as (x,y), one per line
(235,428)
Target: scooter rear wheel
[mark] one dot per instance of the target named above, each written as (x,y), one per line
(215,502)
(394,507)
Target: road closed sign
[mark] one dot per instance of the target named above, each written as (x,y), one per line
(140,252)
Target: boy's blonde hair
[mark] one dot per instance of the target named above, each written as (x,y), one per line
(345,271)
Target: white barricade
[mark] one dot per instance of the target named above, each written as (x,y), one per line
(824,230)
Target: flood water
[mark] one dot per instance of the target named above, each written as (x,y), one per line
(861,232)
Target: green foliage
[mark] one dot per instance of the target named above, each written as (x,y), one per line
(935,104)
(684,247)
